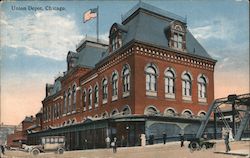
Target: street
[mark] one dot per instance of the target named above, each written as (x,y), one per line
(173,150)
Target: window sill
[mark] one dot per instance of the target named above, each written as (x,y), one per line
(104,101)
(170,95)
(179,49)
(114,98)
(202,100)
(125,94)
(151,93)
(96,105)
(187,98)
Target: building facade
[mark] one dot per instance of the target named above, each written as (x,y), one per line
(28,125)
(151,77)
(5,130)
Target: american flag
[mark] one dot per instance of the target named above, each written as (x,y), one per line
(90,14)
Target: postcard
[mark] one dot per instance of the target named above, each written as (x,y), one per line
(124,78)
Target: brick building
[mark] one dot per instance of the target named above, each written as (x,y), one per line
(19,136)
(151,77)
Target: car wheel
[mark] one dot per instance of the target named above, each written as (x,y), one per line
(203,147)
(194,146)
(60,151)
(35,151)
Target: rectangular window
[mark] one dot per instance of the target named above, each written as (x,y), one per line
(178,40)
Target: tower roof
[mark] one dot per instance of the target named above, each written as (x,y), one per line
(148,24)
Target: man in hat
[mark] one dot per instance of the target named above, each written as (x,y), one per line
(226,138)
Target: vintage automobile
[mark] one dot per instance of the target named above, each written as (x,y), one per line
(198,144)
(48,144)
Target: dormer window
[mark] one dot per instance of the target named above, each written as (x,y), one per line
(176,36)
(72,60)
(178,40)
(116,42)
(115,36)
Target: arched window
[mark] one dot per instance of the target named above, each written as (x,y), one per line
(202,114)
(186,86)
(187,113)
(151,110)
(114,84)
(96,100)
(169,112)
(69,100)
(115,37)
(114,112)
(84,100)
(126,79)
(74,97)
(90,98)
(65,103)
(105,114)
(58,110)
(104,90)
(73,121)
(55,111)
(170,84)
(151,78)
(126,110)
(45,114)
(116,41)
(48,113)
(176,36)
(202,87)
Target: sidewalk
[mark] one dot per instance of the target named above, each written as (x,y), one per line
(243,153)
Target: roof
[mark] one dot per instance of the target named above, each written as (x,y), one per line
(88,52)
(148,24)
(161,12)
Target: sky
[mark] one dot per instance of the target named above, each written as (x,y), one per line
(35,43)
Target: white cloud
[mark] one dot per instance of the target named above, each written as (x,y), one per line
(220,28)
(44,34)
(105,36)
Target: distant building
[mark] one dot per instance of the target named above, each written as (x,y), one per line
(28,125)
(5,130)
(152,77)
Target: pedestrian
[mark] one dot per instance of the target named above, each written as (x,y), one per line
(164,137)
(182,140)
(107,140)
(151,139)
(205,136)
(226,138)
(2,149)
(143,140)
(114,145)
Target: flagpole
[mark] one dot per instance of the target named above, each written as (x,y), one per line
(97,24)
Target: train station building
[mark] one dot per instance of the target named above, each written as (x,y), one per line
(151,77)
